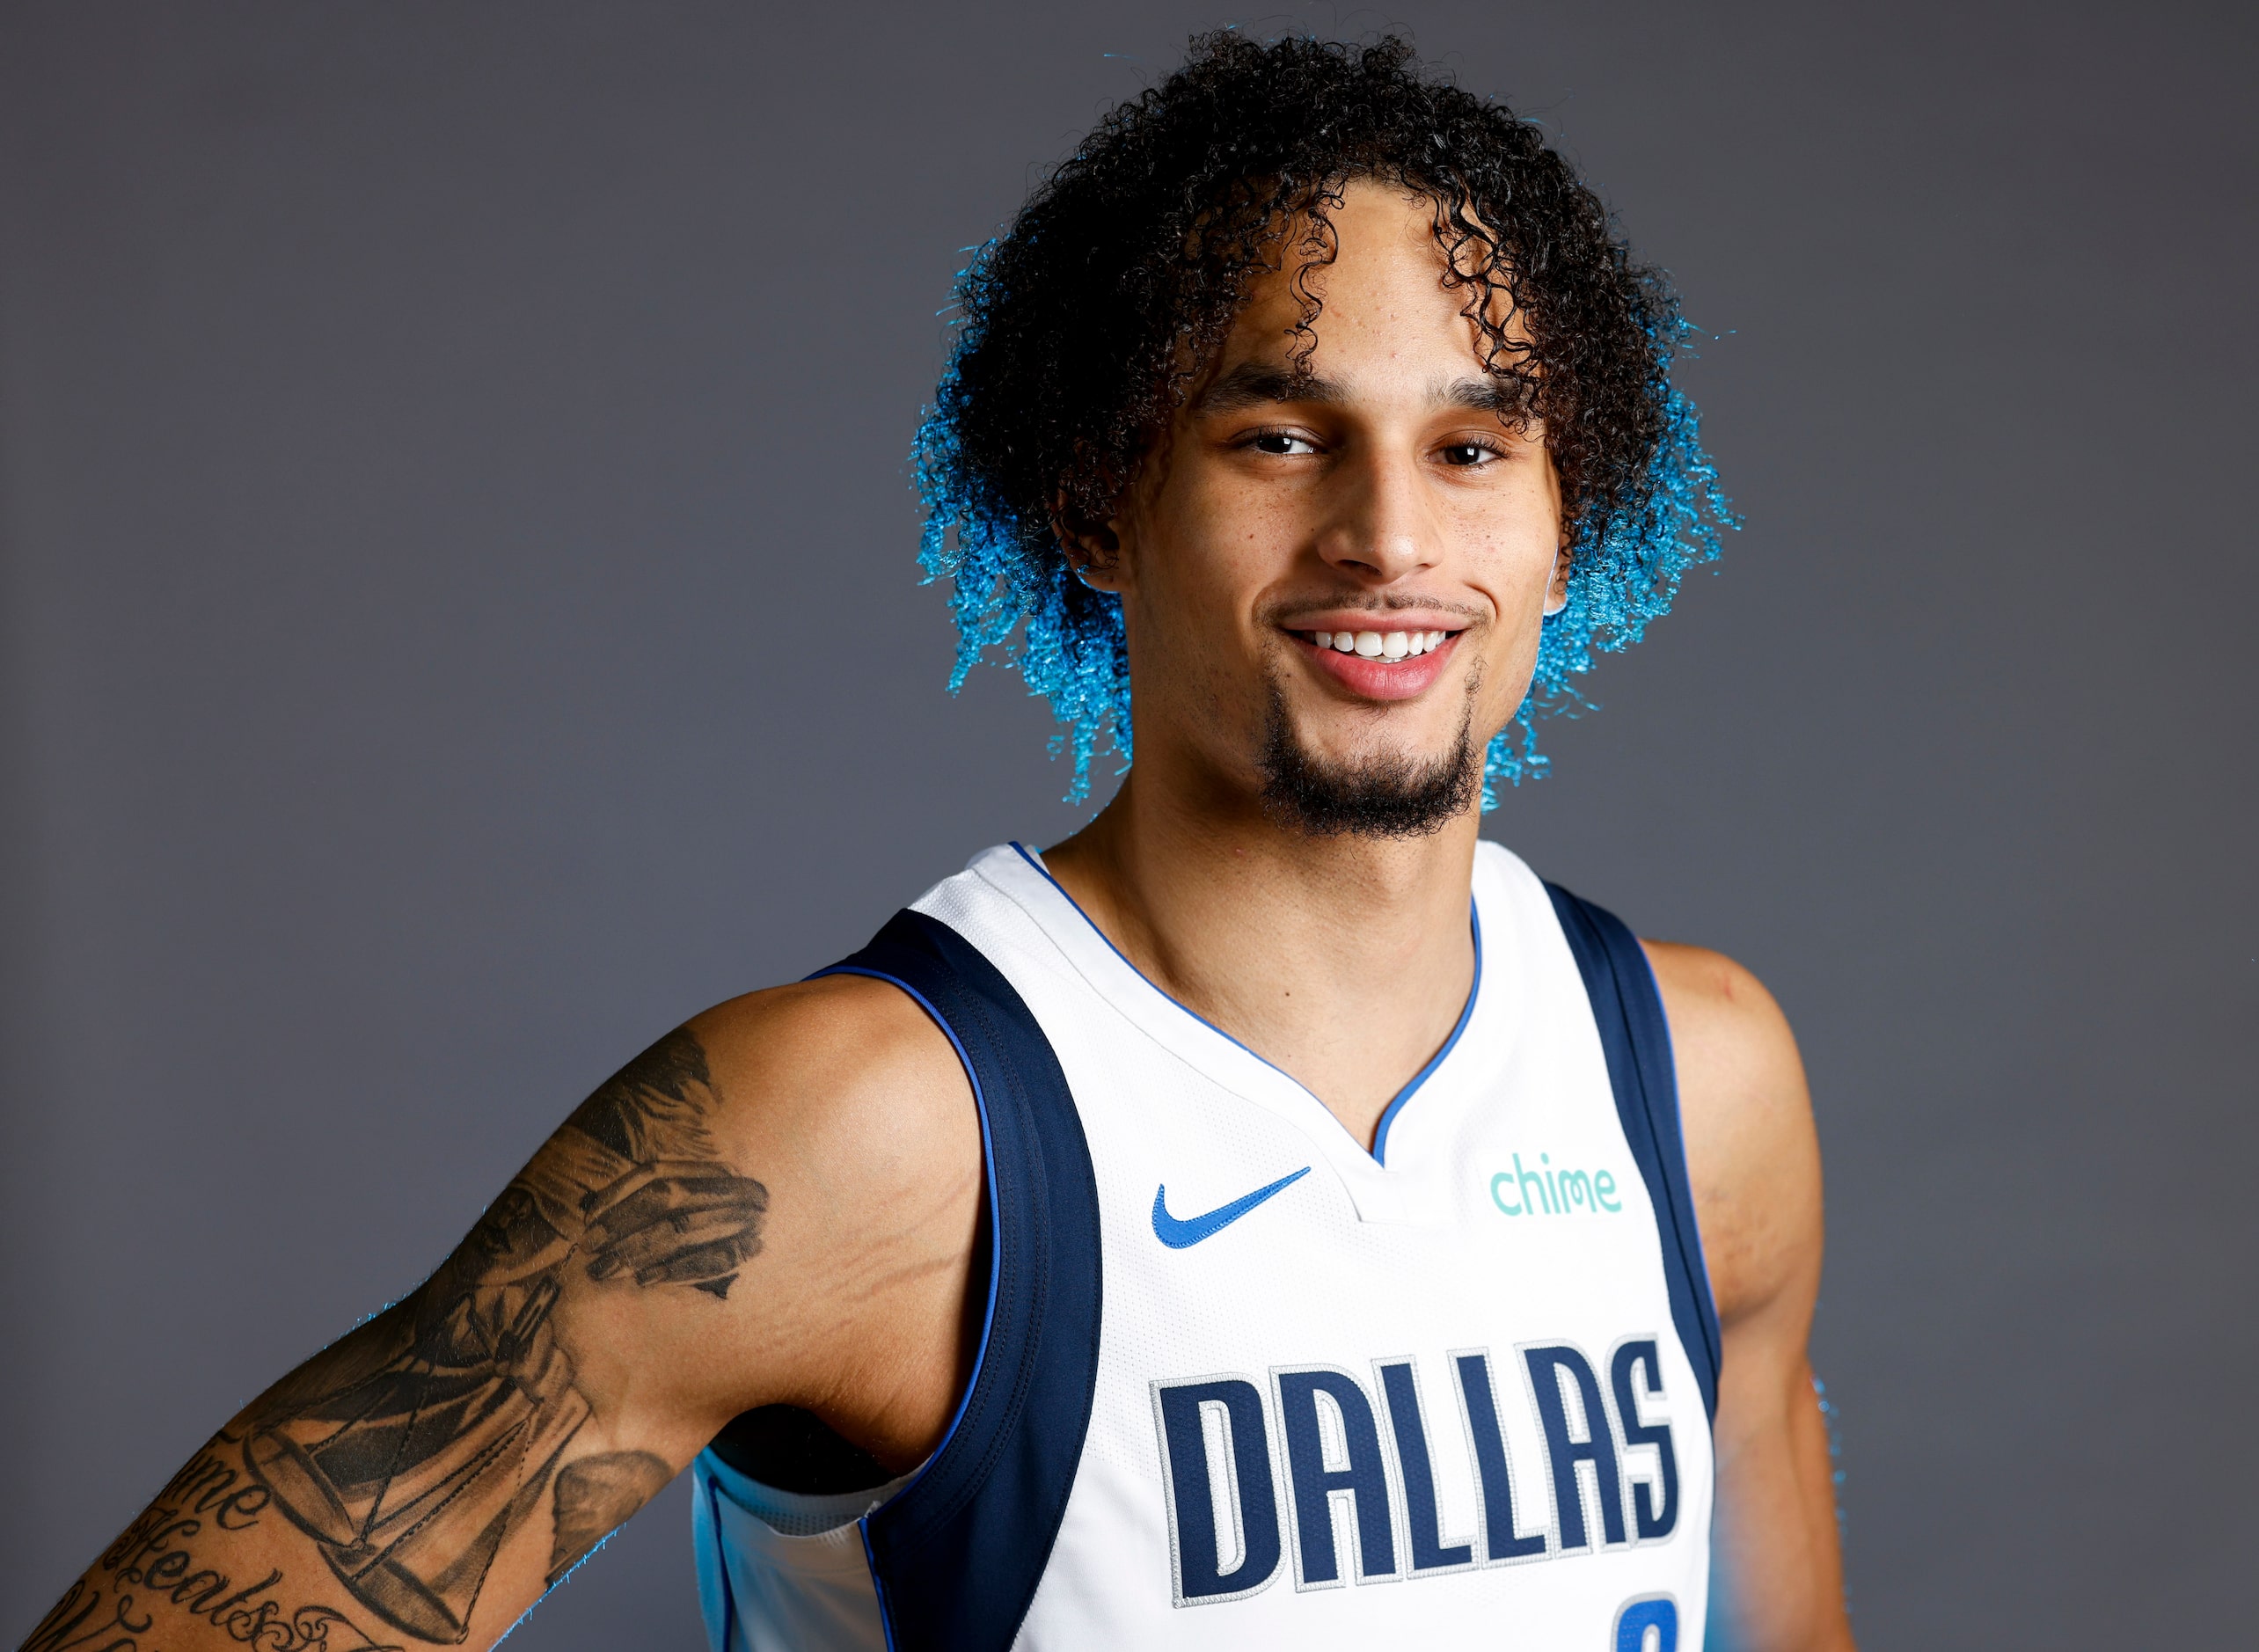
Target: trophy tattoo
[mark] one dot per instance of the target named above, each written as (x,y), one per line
(413,1454)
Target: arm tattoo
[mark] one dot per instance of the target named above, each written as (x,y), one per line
(414,1449)
(596,1493)
(164,1561)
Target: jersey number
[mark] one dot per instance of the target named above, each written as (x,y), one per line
(1649,1624)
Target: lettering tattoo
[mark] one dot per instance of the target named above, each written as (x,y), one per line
(153,1566)
(415,1448)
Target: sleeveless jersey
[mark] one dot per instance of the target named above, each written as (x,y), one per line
(1242,1384)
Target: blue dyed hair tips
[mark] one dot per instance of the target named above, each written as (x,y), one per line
(1079,331)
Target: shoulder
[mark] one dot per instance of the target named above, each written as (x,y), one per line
(1752,1153)
(844,1068)
(1724,1025)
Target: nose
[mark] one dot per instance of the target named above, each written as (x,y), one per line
(1379,529)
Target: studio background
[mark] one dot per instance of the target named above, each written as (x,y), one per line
(459,617)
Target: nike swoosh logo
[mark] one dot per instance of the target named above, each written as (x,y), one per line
(1178,1235)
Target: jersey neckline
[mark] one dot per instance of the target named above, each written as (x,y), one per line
(1378,1155)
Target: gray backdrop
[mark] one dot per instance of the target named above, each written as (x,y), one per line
(459,617)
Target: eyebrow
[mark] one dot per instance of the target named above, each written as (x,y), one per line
(1507,398)
(1259,384)
(1262,383)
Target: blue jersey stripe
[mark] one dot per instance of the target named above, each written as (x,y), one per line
(1635,1036)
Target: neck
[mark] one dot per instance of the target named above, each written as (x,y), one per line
(1343,961)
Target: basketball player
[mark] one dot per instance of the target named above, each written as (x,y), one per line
(1272,1218)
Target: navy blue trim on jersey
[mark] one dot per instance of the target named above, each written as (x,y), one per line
(1467,1014)
(957,1554)
(1636,1037)
(1388,1114)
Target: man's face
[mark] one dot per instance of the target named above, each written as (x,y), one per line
(1376,499)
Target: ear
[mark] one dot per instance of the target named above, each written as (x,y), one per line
(1557,588)
(1094,550)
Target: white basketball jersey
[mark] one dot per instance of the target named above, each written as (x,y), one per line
(1244,1384)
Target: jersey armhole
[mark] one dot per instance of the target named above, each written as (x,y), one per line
(1635,1037)
(957,1554)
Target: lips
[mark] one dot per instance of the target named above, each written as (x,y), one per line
(1370,670)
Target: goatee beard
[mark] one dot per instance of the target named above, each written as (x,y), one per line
(1389,796)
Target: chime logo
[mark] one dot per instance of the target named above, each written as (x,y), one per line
(1545,1191)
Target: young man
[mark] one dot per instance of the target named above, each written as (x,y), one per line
(1268,1218)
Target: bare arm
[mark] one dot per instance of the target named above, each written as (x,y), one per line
(776,1203)
(1754,1160)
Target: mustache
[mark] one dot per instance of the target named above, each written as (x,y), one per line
(1284,613)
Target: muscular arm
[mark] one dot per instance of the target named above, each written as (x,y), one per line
(776,1203)
(1755,1164)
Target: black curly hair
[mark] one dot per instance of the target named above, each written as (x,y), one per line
(1081,329)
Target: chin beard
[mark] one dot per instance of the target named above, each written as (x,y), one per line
(1392,795)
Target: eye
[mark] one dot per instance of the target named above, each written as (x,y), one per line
(1469,454)
(1284,443)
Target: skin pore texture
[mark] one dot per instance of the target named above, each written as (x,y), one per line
(780,1204)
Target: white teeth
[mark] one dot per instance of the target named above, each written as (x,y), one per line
(1380,645)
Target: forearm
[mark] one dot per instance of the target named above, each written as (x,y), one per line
(421,1481)
(353,1505)
(211,1564)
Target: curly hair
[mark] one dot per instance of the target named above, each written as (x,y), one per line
(1080,330)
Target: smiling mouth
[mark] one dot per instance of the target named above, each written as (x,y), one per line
(1387,645)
